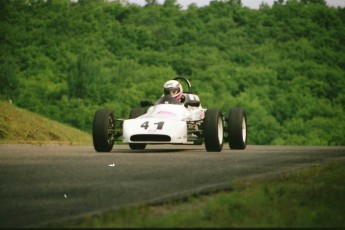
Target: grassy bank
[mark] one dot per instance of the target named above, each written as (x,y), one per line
(21,126)
(310,198)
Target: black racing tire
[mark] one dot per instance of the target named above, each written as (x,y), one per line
(136,112)
(103,130)
(237,129)
(213,130)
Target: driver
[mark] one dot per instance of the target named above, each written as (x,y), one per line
(173,88)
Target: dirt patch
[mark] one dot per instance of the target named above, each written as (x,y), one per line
(30,136)
(53,137)
(3,134)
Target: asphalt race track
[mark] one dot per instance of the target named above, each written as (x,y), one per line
(47,183)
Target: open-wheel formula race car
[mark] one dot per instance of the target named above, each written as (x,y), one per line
(170,121)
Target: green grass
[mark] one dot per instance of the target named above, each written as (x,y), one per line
(311,198)
(21,126)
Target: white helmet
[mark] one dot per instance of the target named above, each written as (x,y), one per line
(173,88)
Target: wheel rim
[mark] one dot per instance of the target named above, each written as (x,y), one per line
(220,130)
(244,130)
(111,130)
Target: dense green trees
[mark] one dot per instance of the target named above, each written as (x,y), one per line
(285,64)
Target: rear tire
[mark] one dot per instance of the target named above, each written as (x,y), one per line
(103,130)
(136,112)
(213,130)
(237,129)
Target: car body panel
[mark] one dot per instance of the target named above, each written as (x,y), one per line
(161,121)
(154,130)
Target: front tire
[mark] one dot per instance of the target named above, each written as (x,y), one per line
(213,130)
(237,129)
(103,130)
(136,112)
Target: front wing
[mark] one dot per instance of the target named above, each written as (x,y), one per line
(153,130)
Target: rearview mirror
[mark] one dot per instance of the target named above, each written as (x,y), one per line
(146,103)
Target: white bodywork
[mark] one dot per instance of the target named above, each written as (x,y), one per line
(163,123)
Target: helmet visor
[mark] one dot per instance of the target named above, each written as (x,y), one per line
(172,91)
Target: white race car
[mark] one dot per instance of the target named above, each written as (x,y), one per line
(168,121)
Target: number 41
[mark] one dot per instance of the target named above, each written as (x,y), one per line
(145,125)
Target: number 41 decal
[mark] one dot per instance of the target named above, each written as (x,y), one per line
(145,125)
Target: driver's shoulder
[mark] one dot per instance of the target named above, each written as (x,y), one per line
(191,97)
(191,101)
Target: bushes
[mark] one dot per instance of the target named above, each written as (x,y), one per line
(283,64)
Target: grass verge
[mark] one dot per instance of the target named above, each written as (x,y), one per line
(312,198)
(24,127)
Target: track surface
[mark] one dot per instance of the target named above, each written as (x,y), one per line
(39,184)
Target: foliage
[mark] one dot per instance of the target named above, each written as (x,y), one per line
(285,64)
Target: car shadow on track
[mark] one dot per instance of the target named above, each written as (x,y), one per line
(151,151)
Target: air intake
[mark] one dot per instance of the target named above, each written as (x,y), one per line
(150,137)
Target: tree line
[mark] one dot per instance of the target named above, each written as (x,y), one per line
(284,64)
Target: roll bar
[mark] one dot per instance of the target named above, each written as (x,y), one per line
(185,80)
